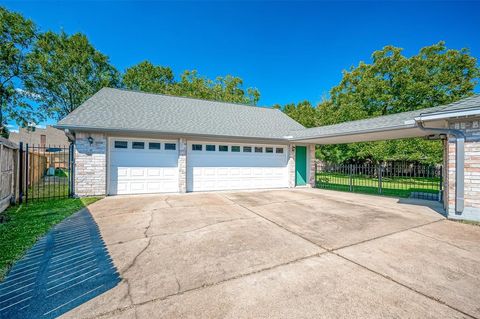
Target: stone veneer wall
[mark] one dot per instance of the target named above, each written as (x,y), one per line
(310,165)
(291,165)
(90,164)
(472,169)
(182,165)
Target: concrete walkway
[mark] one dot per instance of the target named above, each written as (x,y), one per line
(302,253)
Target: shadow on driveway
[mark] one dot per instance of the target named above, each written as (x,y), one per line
(65,268)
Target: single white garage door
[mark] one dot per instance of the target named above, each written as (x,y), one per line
(219,166)
(139,166)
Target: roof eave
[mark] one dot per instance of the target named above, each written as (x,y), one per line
(378,130)
(137,131)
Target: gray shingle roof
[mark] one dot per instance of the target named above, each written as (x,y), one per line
(123,110)
(386,122)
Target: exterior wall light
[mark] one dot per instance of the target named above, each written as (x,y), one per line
(90,140)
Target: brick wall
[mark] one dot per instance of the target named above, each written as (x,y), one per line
(471,170)
(90,164)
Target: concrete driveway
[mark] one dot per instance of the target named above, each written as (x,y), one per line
(299,253)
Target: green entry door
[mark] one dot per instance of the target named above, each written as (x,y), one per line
(300,165)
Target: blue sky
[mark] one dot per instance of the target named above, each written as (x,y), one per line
(290,51)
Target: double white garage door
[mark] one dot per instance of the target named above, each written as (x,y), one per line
(151,166)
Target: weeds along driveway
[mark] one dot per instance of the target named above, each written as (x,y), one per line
(284,253)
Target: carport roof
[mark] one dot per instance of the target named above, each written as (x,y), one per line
(138,112)
(397,125)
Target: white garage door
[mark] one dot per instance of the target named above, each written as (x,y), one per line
(235,166)
(139,166)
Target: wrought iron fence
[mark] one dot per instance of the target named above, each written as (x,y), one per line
(391,179)
(46,172)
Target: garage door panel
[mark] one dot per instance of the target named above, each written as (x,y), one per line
(134,171)
(231,170)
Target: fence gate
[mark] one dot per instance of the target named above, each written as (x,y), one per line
(46,172)
(393,179)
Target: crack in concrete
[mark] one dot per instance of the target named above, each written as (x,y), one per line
(327,251)
(216,223)
(149,224)
(177,233)
(136,257)
(293,261)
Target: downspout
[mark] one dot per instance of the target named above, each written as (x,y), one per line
(459,161)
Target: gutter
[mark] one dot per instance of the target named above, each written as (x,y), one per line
(441,115)
(459,161)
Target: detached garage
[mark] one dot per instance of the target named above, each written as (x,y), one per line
(131,142)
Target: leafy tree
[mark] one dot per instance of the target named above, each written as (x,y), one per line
(304,113)
(158,79)
(147,77)
(65,70)
(225,89)
(16,36)
(394,83)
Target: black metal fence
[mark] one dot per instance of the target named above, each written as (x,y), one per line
(392,179)
(46,172)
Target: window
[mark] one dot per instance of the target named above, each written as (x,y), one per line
(247,149)
(223,148)
(268,149)
(121,144)
(138,145)
(258,149)
(170,146)
(154,146)
(210,148)
(196,147)
(279,150)
(235,148)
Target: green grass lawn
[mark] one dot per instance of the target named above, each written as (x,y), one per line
(23,225)
(398,186)
(48,187)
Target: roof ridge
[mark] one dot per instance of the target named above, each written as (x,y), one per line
(190,98)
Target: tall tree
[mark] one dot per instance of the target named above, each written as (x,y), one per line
(395,83)
(304,113)
(16,36)
(65,70)
(226,89)
(159,79)
(147,77)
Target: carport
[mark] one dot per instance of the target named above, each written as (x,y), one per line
(457,124)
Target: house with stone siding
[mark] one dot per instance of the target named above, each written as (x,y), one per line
(129,142)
